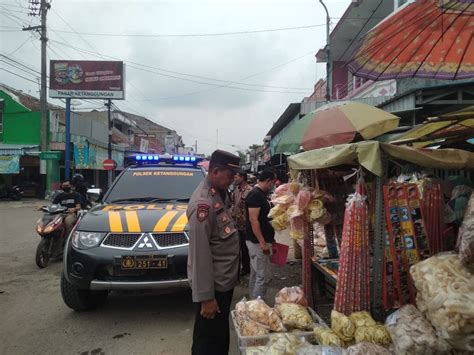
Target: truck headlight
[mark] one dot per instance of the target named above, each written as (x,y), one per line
(86,240)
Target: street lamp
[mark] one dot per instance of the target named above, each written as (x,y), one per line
(328,54)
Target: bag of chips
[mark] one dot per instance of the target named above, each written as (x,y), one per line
(294,316)
(291,295)
(260,312)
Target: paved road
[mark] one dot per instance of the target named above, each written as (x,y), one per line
(36,321)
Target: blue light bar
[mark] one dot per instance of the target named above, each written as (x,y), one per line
(156,158)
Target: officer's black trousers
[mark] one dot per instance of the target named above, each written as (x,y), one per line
(211,336)
(244,254)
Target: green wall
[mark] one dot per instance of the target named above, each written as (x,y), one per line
(20,126)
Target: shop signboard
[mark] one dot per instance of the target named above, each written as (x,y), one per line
(9,164)
(50,155)
(170,146)
(87,79)
(143,145)
(81,156)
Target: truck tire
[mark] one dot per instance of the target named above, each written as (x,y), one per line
(78,299)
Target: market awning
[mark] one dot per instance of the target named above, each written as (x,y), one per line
(458,124)
(17,149)
(369,154)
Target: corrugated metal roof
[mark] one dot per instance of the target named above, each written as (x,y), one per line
(17,149)
(291,111)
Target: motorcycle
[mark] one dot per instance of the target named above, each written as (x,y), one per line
(51,229)
(14,193)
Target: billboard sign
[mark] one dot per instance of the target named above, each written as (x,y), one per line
(84,79)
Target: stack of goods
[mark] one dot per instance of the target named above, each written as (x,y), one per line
(466,237)
(359,327)
(412,334)
(446,297)
(257,318)
(295,207)
(353,283)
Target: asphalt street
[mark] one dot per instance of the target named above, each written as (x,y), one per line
(36,321)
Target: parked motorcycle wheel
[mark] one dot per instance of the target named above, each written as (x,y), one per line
(42,253)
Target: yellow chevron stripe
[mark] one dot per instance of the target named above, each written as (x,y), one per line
(180,223)
(162,224)
(132,221)
(115,222)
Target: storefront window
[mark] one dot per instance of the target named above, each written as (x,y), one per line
(1,122)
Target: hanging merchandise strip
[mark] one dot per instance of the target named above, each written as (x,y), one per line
(414,202)
(432,209)
(353,283)
(397,245)
(408,235)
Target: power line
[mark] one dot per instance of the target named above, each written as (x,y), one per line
(216,34)
(244,78)
(143,67)
(18,75)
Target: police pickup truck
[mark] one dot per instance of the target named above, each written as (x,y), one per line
(136,237)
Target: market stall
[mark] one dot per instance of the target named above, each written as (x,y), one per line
(371,219)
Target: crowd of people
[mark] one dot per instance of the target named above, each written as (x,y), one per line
(229,233)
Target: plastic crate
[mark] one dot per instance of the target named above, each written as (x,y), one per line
(245,342)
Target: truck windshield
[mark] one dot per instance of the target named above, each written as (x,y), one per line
(155,185)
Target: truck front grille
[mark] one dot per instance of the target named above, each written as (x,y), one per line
(168,240)
(121,240)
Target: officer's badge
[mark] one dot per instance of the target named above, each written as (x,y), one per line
(202,212)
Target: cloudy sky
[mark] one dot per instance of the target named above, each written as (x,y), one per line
(183,68)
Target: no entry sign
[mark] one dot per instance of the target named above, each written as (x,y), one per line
(109,164)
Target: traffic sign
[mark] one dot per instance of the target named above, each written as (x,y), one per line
(109,164)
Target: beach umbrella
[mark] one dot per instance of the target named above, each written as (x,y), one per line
(426,39)
(346,122)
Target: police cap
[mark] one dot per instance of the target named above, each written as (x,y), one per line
(225,159)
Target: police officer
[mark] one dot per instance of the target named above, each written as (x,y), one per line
(213,261)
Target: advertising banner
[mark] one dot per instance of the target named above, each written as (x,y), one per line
(9,164)
(81,156)
(83,79)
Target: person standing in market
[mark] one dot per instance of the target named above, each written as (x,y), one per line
(259,234)
(241,190)
(213,260)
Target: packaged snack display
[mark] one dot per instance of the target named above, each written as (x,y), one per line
(291,295)
(260,312)
(366,349)
(326,336)
(413,334)
(294,315)
(446,297)
(466,236)
(342,326)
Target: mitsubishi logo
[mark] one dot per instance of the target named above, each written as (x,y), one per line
(145,243)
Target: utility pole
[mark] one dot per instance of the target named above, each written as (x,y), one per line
(109,146)
(328,54)
(40,8)
(196,147)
